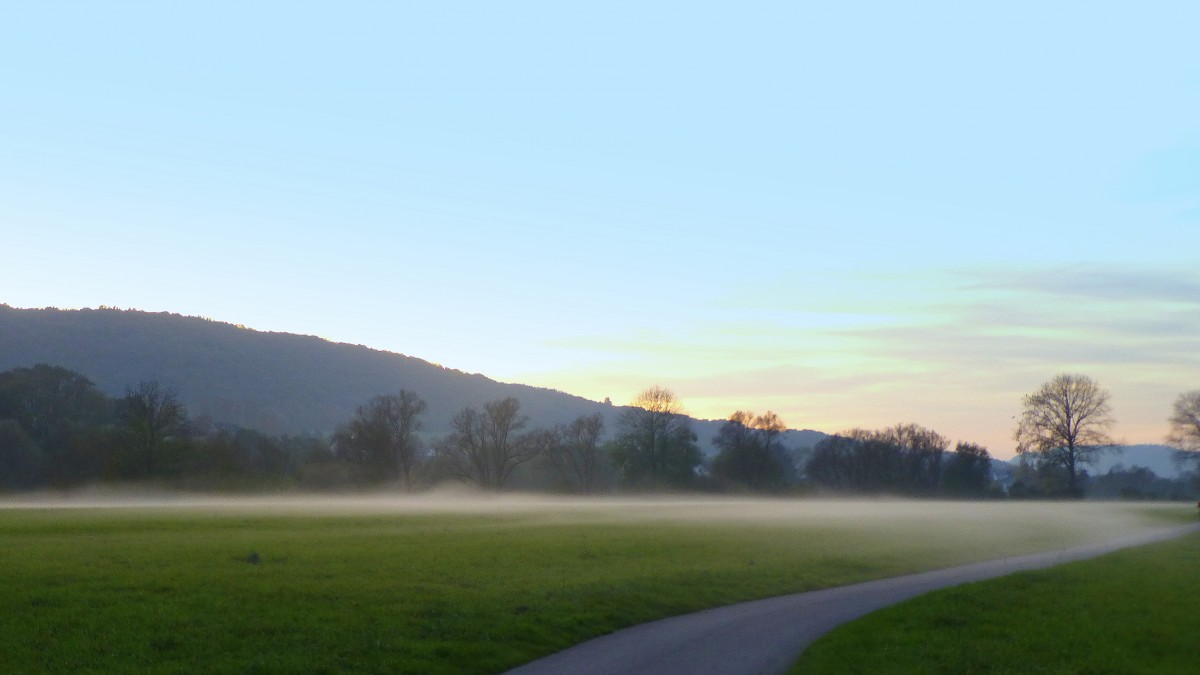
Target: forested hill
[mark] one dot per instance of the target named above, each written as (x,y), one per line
(274,382)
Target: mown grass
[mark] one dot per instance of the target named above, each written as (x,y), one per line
(1134,611)
(171,589)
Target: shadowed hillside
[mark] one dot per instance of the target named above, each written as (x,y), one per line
(278,383)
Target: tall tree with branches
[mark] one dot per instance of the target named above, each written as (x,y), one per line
(1065,423)
(574,450)
(1185,424)
(655,445)
(152,413)
(749,452)
(383,435)
(486,447)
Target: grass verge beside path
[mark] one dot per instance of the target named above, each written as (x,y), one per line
(393,588)
(1133,611)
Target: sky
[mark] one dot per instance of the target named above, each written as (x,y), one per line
(854,214)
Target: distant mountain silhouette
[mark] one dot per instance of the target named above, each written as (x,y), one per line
(1161,459)
(278,383)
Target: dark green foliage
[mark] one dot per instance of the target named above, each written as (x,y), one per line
(51,403)
(20,457)
(55,425)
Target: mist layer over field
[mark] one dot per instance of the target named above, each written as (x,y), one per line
(451,582)
(1047,523)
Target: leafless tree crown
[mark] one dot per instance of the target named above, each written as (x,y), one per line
(1066,422)
(1185,422)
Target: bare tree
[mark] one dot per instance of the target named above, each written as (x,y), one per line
(741,457)
(858,460)
(921,451)
(383,435)
(1185,424)
(769,427)
(1065,423)
(152,413)
(486,446)
(574,450)
(906,458)
(404,424)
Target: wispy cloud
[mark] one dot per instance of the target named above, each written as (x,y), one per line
(955,349)
(1105,283)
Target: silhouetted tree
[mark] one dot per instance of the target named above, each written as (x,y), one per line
(749,453)
(655,445)
(574,450)
(51,403)
(59,413)
(383,435)
(830,464)
(1185,425)
(242,454)
(921,452)
(152,413)
(486,446)
(1138,483)
(1036,479)
(1065,423)
(967,471)
(857,461)
(904,459)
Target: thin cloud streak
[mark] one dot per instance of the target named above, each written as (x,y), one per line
(1106,283)
(958,348)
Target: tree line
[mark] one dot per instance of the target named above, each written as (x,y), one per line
(1065,426)
(57,429)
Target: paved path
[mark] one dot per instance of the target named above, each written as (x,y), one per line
(767,636)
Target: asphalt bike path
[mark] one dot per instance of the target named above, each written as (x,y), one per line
(767,636)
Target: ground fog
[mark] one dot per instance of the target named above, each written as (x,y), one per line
(986,520)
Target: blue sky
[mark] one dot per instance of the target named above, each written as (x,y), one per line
(854,214)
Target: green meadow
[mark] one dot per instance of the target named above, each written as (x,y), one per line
(387,585)
(1133,611)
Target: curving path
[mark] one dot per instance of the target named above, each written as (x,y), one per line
(767,636)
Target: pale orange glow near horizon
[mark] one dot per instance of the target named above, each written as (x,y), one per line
(953,357)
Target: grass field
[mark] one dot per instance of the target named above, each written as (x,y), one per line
(440,585)
(1133,611)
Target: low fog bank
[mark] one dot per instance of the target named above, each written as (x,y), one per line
(1088,518)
